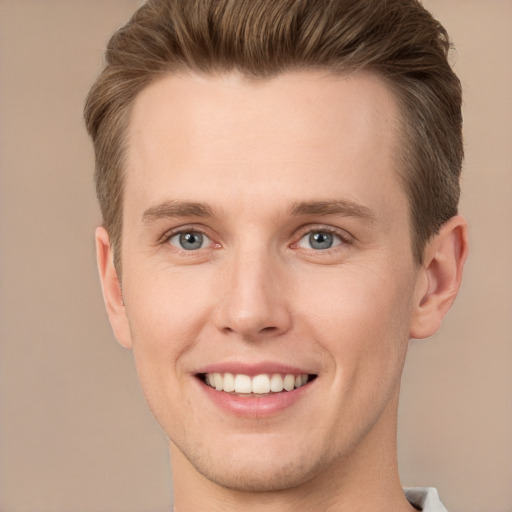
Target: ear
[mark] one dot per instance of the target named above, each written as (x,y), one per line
(112,293)
(440,278)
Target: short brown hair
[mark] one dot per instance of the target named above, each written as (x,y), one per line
(396,39)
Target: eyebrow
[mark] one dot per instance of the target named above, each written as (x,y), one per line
(337,207)
(176,209)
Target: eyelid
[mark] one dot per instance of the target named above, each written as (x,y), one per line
(188,228)
(175,241)
(345,237)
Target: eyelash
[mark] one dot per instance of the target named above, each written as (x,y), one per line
(341,234)
(165,239)
(345,238)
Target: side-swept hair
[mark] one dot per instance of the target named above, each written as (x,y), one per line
(397,40)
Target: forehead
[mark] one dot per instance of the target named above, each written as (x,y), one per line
(307,134)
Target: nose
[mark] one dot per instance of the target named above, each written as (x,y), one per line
(252,301)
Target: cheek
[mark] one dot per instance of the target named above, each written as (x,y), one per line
(365,334)
(362,319)
(164,307)
(166,312)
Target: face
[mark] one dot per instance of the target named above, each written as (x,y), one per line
(268,280)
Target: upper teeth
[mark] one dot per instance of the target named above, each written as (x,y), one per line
(260,384)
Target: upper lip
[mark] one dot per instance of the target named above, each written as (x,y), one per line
(252,369)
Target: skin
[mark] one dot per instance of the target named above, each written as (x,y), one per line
(258,291)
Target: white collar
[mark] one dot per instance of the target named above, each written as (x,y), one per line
(425,499)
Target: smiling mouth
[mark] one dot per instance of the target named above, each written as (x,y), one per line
(259,385)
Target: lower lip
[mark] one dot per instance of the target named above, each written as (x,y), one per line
(255,407)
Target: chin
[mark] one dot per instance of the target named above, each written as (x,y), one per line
(247,478)
(247,472)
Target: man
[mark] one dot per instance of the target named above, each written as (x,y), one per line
(279,186)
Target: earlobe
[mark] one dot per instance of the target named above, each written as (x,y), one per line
(112,293)
(440,278)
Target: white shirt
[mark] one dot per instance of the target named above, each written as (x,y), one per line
(425,499)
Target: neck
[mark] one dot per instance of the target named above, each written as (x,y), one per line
(365,479)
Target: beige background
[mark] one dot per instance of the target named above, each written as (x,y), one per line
(75,434)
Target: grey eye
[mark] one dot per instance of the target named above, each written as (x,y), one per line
(319,240)
(189,241)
